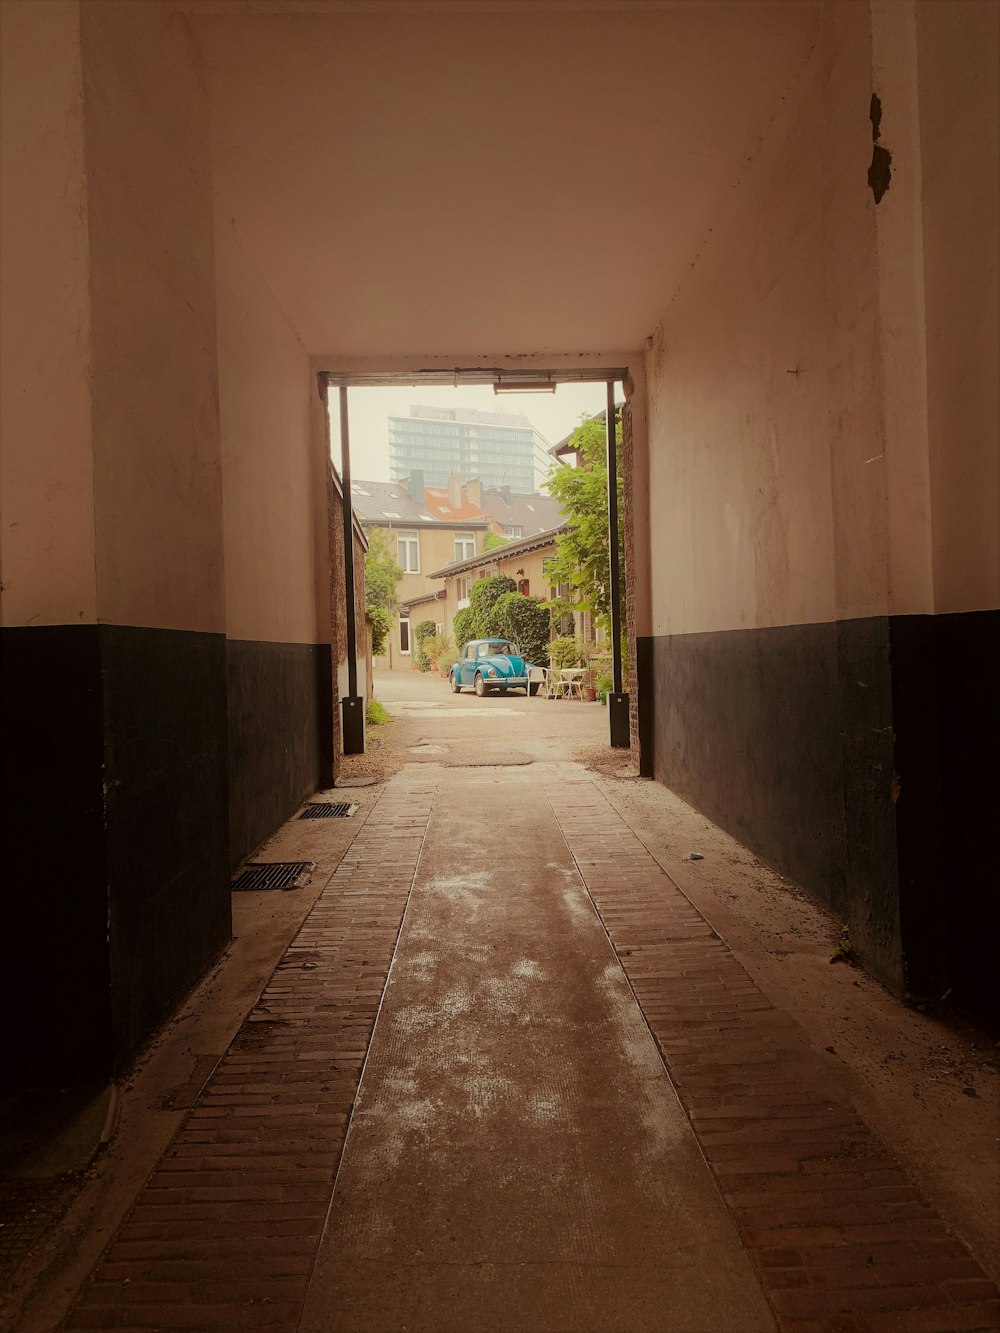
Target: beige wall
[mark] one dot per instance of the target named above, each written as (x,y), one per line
(958,45)
(157,466)
(274,554)
(46,469)
(822,387)
(437,549)
(111,430)
(763,377)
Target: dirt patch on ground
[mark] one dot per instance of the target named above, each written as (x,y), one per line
(606,761)
(382,757)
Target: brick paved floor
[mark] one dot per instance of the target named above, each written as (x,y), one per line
(226,1232)
(842,1240)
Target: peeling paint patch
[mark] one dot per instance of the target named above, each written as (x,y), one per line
(879,173)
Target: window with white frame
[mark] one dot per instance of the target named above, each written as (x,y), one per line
(512,530)
(404,634)
(408,552)
(463,589)
(465,545)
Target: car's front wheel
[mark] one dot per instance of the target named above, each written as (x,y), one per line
(455,687)
(480,685)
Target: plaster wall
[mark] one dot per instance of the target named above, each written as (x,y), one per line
(770,485)
(157,466)
(437,549)
(275,570)
(279,615)
(824,474)
(430,162)
(116,511)
(46,473)
(764,377)
(958,42)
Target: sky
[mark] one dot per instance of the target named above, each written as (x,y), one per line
(554,414)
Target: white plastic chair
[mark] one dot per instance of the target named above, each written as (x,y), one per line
(555,686)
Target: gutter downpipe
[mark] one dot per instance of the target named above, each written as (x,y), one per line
(618,717)
(352,707)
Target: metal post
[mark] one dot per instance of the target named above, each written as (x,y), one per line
(617,700)
(352,708)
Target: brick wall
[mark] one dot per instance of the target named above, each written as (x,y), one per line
(338,609)
(631,681)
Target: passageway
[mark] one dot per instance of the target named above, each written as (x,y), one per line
(508,1077)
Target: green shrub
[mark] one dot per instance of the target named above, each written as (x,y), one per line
(482,598)
(525,621)
(423,631)
(464,627)
(446,661)
(382,623)
(436,646)
(567,652)
(376,714)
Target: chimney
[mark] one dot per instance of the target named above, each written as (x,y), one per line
(416,485)
(455,491)
(474,490)
(505,494)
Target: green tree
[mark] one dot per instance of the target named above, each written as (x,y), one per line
(421,634)
(493,541)
(381,628)
(382,576)
(582,554)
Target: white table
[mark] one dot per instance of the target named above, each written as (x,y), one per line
(569,682)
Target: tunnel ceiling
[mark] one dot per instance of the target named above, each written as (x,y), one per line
(428,178)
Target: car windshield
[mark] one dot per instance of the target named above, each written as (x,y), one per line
(499,647)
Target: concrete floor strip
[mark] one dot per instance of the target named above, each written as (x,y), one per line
(517,1158)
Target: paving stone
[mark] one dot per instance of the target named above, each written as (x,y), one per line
(810,1187)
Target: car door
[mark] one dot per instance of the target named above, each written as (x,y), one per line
(467,665)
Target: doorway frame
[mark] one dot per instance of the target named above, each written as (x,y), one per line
(341,371)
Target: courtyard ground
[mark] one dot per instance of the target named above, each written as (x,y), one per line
(513,1059)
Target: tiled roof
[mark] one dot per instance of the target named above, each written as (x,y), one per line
(530,513)
(421,598)
(388,502)
(515,548)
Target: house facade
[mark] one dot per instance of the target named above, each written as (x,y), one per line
(426,527)
(526,562)
(432,528)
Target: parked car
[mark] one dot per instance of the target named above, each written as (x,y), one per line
(491,664)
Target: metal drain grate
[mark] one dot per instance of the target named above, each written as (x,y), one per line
(328,810)
(275,875)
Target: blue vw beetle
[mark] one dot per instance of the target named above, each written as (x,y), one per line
(491,664)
